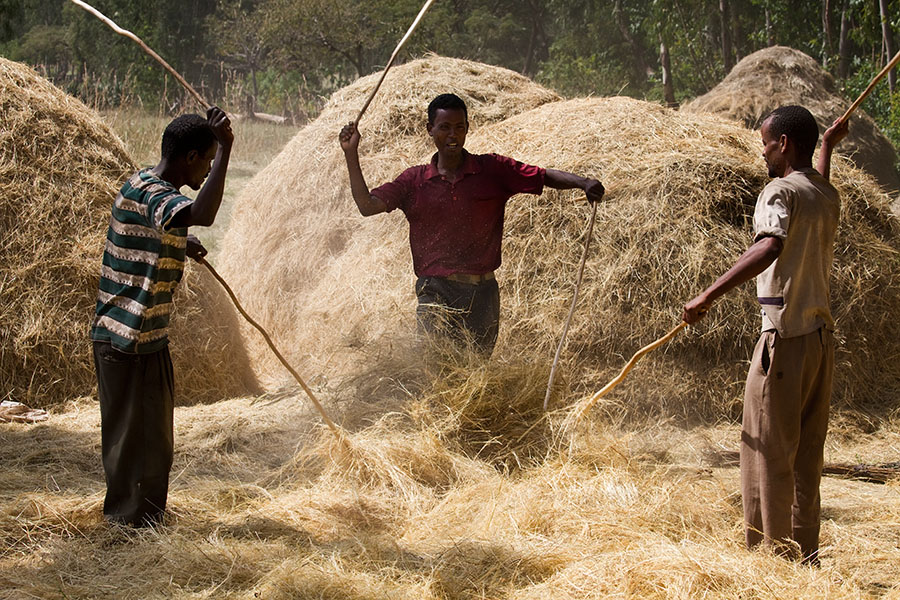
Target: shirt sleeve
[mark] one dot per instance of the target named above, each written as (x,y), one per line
(518,177)
(164,205)
(772,216)
(399,192)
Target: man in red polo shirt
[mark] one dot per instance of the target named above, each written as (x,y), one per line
(455,206)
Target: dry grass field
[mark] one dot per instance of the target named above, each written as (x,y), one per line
(450,482)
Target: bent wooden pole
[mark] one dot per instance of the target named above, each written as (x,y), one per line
(268,339)
(145,48)
(562,339)
(412,28)
(871,86)
(630,365)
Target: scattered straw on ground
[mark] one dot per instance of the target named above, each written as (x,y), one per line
(60,168)
(262,508)
(777,76)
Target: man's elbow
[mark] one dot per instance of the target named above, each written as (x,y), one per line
(367,211)
(772,247)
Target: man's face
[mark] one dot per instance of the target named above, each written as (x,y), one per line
(199,166)
(449,130)
(772,153)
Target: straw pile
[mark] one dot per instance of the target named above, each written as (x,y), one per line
(681,192)
(315,260)
(682,188)
(777,76)
(60,167)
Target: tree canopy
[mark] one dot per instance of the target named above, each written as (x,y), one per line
(286,56)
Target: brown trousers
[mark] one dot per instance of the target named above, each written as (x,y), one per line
(785,419)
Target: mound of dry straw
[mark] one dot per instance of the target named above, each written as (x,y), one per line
(681,191)
(777,76)
(315,261)
(60,168)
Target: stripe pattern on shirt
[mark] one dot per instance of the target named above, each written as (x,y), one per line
(143,262)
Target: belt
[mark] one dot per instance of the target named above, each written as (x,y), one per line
(469,278)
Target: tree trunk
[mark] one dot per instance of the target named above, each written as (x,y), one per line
(725,20)
(770,29)
(666,65)
(624,26)
(251,102)
(888,42)
(844,43)
(826,33)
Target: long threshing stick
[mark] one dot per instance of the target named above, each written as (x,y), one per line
(562,339)
(268,339)
(145,48)
(393,57)
(871,85)
(637,356)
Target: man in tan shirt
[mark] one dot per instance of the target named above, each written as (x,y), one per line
(788,391)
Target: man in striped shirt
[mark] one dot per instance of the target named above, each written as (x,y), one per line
(143,261)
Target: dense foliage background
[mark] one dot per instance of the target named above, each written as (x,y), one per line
(286,56)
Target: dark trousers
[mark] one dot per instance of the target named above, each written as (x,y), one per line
(464,313)
(136,409)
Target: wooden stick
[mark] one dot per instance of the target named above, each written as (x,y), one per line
(871,85)
(145,48)
(393,56)
(268,339)
(578,278)
(870,473)
(637,356)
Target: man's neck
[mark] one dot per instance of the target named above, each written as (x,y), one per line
(790,168)
(167,172)
(451,164)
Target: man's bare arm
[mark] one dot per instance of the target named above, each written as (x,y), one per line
(832,137)
(563,180)
(754,261)
(366,203)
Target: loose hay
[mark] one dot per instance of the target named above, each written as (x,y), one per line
(60,168)
(631,515)
(777,76)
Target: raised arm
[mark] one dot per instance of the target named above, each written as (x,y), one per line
(754,261)
(832,137)
(563,180)
(204,209)
(366,203)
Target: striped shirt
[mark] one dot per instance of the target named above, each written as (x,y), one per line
(142,264)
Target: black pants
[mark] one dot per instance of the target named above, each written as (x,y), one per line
(465,313)
(136,408)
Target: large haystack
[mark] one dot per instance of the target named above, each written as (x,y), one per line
(312,255)
(681,192)
(60,167)
(681,189)
(777,76)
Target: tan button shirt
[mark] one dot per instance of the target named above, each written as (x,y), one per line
(803,210)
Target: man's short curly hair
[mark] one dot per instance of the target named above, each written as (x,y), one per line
(446,102)
(797,124)
(186,133)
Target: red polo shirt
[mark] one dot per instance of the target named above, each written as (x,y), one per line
(457,227)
